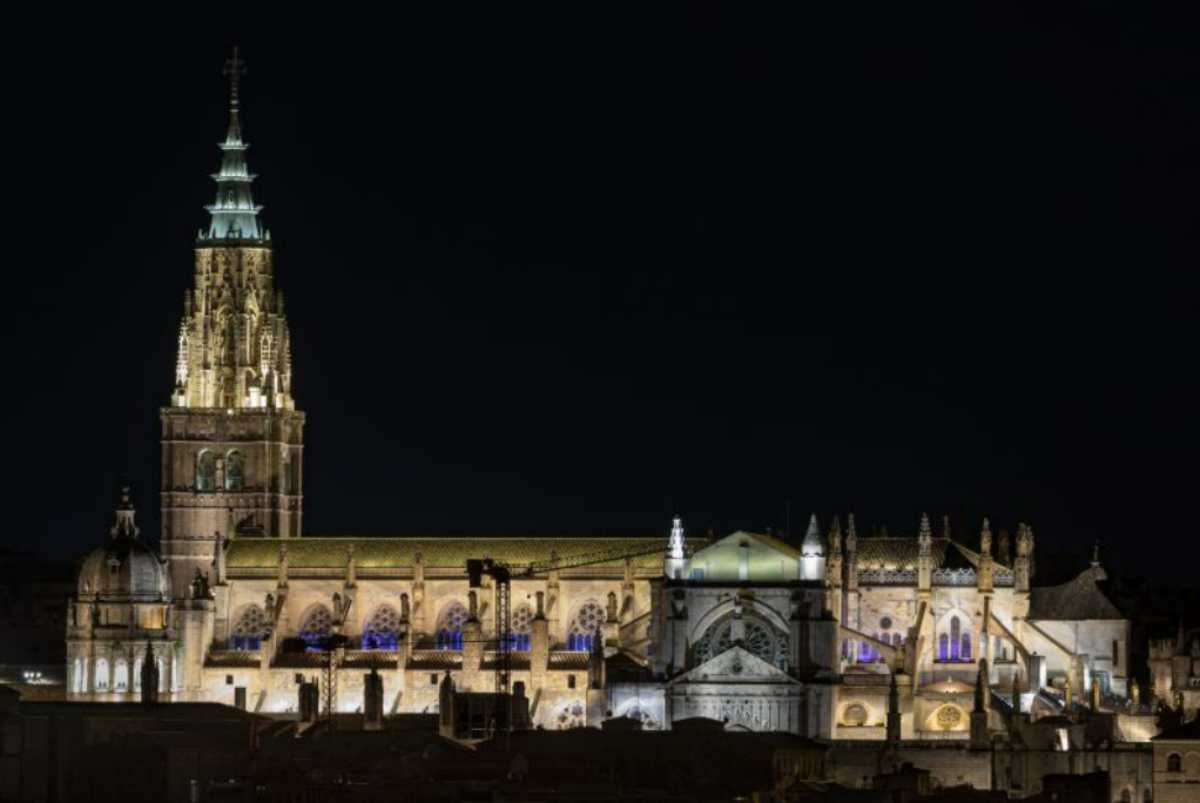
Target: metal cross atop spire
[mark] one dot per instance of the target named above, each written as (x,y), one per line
(235,68)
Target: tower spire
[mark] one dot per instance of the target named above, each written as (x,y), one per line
(234,214)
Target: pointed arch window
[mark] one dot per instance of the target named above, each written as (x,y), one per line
(382,631)
(206,471)
(317,626)
(519,639)
(250,630)
(235,470)
(585,626)
(943,647)
(965,653)
(449,627)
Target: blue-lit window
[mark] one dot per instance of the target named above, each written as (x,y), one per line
(943,647)
(380,641)
(318,625)
(449,640)
(382,630)
(249,630)
(585,626)
(580,642)
(521,624)
(449,634)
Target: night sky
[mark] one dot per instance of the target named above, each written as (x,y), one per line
(551,274)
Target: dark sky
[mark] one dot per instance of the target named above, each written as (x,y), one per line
(574,274)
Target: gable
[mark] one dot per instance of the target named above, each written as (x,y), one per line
(735,665)
(746,556)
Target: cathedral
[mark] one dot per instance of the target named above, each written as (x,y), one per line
(836,635)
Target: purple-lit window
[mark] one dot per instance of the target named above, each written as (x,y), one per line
(966,647)
(943,647)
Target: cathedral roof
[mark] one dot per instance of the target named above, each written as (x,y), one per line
(1074,601)
(440,552)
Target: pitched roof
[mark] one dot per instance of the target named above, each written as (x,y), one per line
(442,552)
(1075,600)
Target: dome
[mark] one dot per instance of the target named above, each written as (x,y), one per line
(124,568)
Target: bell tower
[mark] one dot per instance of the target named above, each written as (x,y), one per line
(232,438)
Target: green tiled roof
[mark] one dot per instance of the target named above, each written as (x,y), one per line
(441,552)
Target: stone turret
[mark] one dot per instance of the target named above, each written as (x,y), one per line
(924,557)
(232,439)
(985,575)
(833,570)
(1021,566)
(850,597)
(675,564)
(812,553)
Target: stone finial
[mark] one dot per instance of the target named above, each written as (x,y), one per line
(124,526)
(946,527)
(835,537)
(1022,541)
(676,544)
(985,538)
(851,534)
(1096,553)
(924,537)
(1003,552)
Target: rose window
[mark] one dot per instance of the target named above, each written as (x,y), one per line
(570,715)
(760,640)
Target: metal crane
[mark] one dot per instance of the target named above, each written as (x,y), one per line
(502,574)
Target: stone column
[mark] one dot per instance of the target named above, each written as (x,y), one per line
(539,649)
